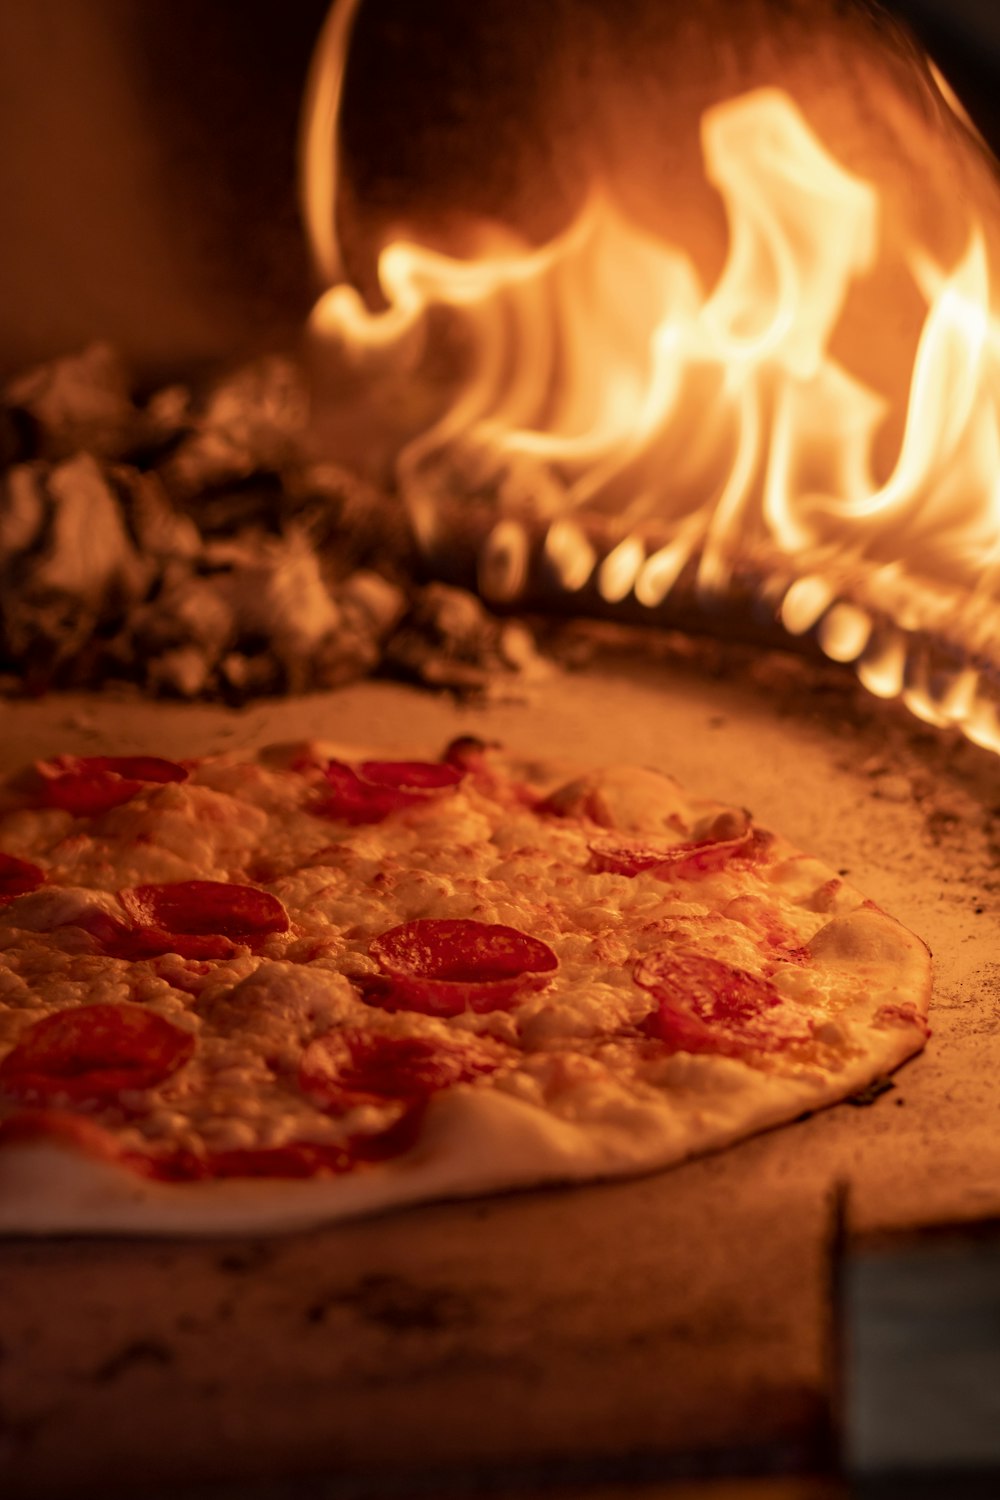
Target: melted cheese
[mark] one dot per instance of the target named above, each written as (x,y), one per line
(469,852)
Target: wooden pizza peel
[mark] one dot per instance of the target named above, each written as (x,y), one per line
(680,1323)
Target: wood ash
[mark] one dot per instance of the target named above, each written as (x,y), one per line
(189,542)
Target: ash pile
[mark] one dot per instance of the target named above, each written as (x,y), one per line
(189,543)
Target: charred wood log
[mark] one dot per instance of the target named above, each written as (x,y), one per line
(192,546)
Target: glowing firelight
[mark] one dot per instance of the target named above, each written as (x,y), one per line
(616,401)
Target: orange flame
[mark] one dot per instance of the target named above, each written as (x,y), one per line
(699,425)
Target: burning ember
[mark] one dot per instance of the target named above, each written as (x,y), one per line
(190,543)
(619,427)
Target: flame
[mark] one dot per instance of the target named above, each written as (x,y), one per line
(654,427)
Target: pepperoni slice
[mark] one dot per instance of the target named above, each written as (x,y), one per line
(631,857)
(17,877)
(349,1067)
(472,756)
(90,1053)
(705,1005)
(198,919)
(411,775)
(138,767)
(460,949)
(91,784)
(205,907)
(376,788)
(117,939)
(442,966)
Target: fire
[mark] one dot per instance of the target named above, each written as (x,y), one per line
(652,427)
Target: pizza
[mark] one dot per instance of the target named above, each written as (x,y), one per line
(260,994)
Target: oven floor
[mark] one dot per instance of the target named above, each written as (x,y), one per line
(673,1324)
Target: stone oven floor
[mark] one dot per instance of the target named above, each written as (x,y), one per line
(677,1322)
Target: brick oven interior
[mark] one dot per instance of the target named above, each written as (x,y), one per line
(679,1337)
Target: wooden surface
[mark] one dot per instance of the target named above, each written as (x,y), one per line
(648,1325)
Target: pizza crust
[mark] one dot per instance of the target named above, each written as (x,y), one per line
(477,1140)
(474,1143)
